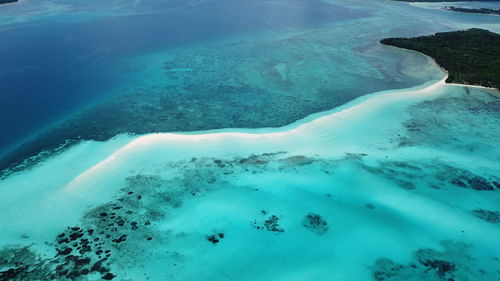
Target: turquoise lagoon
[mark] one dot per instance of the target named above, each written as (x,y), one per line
(386,173)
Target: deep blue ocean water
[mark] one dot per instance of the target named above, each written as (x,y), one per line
(52,66)
(60,57)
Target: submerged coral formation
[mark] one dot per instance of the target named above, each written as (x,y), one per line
(316,224)
(453,263)
(124,232)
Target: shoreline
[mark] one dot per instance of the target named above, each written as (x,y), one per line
(477,11)
(444,70)
(475,86)
(417,52)
(39,158)
(20,164)
(346,108)
(368,103)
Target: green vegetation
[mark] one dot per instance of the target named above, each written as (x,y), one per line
(471,57)
(474,11)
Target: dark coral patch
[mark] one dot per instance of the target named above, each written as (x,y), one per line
(489,216)
(453,263)
(269,224)
(315,223)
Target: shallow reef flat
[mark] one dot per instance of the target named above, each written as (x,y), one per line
(378,189)
(249,82)
(283,63)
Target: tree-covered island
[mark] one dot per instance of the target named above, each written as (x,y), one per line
(486,11)
(471,57)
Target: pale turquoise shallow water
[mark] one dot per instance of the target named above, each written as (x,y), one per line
(396,185)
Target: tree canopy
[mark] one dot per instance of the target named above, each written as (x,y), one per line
(471,56)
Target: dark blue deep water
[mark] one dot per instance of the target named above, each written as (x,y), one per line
(52,66)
